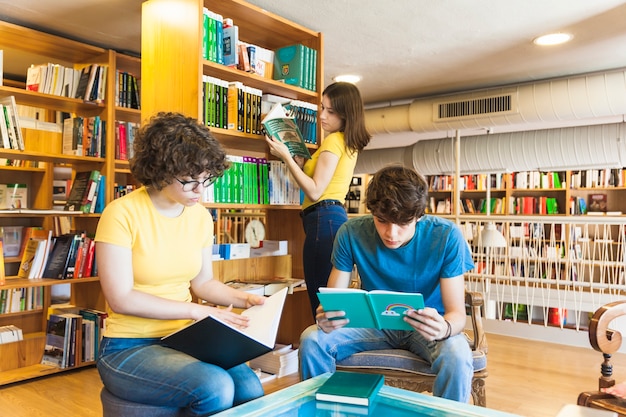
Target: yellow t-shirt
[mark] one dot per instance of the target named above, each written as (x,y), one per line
(340,182)
(166,255)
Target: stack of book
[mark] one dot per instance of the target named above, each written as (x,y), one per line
(73,336)
(283,360)
(10,333)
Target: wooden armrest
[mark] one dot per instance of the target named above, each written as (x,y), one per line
(475,302)
(602,338)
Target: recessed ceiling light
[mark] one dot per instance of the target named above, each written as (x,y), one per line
(552,39)
(348,78)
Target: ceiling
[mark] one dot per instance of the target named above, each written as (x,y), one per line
(403,49)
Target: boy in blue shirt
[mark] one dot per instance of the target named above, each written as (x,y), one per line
(400,248)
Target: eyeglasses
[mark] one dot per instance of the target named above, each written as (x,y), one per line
(193,185)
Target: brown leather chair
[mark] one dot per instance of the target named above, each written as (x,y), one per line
(606,341)
(403,369)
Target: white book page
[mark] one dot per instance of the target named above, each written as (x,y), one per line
(264,319)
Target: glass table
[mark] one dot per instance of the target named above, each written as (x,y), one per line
(299,401)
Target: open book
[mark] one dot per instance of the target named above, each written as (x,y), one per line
(283,128)
(215,341)
(377,309)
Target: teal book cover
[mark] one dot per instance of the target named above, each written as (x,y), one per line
(350,388)
(290,65)
(378,309)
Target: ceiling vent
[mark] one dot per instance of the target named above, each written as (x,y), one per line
(545,104)
(495,104)
(581,147)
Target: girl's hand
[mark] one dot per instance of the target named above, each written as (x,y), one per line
(254,300)
(228,316)
(278,149)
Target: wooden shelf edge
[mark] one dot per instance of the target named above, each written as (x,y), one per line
(15,282)
(34,371)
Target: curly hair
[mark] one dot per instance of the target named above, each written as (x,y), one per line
(345,99)
(397,194)
(171,145)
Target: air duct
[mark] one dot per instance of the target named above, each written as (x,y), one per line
(577,98)
(581,147)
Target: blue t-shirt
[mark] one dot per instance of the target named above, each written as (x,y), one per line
(436,251)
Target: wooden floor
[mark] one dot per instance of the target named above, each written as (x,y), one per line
(527,378)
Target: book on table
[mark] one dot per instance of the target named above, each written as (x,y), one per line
(279,126)
(350,388)
(378,309)
(212,340)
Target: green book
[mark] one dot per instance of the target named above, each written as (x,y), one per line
(379,309)
(283,128)
(350,388)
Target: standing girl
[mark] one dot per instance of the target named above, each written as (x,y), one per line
(325,178)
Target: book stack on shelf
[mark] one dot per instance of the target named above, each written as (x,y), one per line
(10,333)
(73,336)
(10,129)
(84,136)
(251,180)
(124,138)
(282,361)
(221,44)
(87,192)
(88,83)
(71,256)
(296,65)
(127,90)
(15,300)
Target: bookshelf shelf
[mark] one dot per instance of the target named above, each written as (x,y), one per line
(256,81)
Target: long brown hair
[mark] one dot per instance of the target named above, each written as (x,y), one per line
(346,100)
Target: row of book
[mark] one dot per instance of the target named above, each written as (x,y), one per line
(120,190)
(252,180)
(293,64)
(87,83)
(14,300)
(73,336)
(599,178)
(84,136)
(231,105)
(87,192)
(10,129)
(10,333)
(127,90)
(234,105)
(519,205)
(523,180)
(124,138)
(70,255)
(221,44)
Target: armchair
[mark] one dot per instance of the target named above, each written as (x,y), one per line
(403,369)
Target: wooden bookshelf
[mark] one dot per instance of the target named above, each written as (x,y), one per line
(176,86)
(20,360)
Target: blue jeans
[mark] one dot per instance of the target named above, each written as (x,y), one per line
(320,228)
(144,371)
(451,359)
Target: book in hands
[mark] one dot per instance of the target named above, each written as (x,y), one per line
(214,341)
(283,128)
(378,309)
(350,388)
